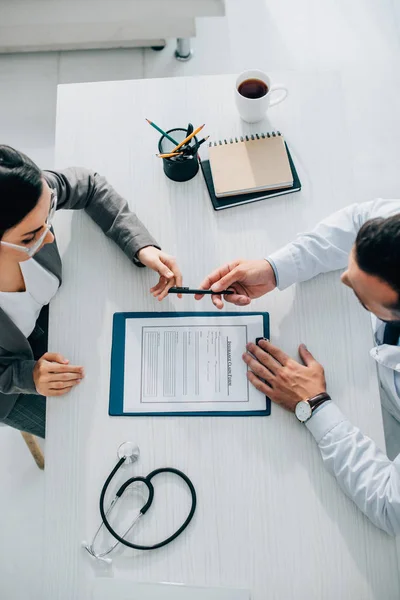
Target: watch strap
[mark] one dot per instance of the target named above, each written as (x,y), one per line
(317,400)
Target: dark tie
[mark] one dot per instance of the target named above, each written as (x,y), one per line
(392,333)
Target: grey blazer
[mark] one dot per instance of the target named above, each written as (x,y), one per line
(77,189)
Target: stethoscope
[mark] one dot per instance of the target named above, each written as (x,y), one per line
(129,453)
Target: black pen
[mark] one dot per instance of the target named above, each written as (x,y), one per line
(203,140)
(186,290)
(193,149)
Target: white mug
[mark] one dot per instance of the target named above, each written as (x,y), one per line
(253,110)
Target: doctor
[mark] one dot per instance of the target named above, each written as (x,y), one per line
(30,275)
(366,239)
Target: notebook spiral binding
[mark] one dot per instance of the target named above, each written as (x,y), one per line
(247,138)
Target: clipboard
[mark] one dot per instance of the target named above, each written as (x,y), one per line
(117,374)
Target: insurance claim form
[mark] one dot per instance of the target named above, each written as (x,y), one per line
(190,364)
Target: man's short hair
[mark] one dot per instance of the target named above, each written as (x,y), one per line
(377,251)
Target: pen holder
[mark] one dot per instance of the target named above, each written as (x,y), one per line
(178,168)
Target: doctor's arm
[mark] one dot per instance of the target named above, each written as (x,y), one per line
(363,472)
(327,246)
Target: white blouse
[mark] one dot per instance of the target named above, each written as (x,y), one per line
(23,308)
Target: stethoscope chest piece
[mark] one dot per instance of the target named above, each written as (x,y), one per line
(129,451)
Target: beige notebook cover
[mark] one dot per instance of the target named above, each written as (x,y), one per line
(250,166)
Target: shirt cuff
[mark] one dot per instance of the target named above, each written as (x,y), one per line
(275,270)
(324,420)
(284,265)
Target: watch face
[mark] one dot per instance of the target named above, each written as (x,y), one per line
(303,411)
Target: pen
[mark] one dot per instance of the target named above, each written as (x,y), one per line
(194,149)
(203,140)
(186,290)
(162,132)
(189,137)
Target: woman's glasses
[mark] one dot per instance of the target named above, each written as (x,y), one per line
(31,250)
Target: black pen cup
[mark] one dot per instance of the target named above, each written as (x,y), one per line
(185,166)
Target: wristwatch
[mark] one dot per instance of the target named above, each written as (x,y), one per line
(305,408)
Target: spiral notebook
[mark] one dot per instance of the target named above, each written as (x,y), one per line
(248,169)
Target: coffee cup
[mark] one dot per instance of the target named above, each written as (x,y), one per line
(253,94)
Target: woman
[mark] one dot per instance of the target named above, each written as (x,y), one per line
(30,275)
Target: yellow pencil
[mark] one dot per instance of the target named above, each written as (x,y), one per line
(169,155)
(189,137)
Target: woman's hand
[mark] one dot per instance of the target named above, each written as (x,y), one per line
(248,279)
(53,376)
(167,268)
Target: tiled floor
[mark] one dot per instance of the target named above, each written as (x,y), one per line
(360,39)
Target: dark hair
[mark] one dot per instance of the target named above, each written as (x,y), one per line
(21,186)
(377,251)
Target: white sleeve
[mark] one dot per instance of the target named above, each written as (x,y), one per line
(327,247)
(363,472)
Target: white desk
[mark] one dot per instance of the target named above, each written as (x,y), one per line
(269,517)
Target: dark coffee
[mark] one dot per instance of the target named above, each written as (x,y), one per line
(253,88)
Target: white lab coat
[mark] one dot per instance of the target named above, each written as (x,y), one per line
(364,473)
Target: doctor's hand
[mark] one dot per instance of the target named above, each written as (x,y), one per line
(282,378)
(249,279)
(54,376)
(167,268)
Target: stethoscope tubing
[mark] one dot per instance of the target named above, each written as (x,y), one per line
(147,482)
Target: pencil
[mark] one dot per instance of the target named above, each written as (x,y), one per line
(162,132)
(169,155)
(189,137)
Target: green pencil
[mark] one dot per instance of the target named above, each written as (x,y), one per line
(162,132)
